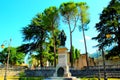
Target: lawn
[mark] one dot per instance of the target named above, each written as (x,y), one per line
(10,78)
(100,79)
(22,78)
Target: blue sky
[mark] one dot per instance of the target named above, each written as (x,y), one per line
(16,14)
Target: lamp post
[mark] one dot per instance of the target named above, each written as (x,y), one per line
(7,64)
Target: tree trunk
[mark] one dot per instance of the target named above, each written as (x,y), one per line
(104,65)
(71,57)
(54,46)
(118,37)
(54,54)
(41,61)
(85,47)
(41,56)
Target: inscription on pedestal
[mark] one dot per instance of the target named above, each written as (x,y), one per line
(62,59)
(62,68)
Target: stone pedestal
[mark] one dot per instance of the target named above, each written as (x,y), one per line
(61,78)
(62,69)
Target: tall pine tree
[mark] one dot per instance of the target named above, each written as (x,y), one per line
(109,25)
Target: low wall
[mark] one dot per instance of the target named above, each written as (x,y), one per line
(48,72)
(77,73)
(10,72)
(40,72)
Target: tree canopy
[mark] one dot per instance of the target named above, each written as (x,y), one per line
(43,30)
(16,57)
(69,13)
(109,25)
(51,15)
(84,20)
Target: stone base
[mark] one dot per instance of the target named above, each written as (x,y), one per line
(64,73)
(61,78)
(68,74)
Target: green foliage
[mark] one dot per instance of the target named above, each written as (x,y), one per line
(15,57)
(109,24)
(3,57)
(84,20)
(31,78)
(76,53)
(88,79)
(69,11)
(22,76)
(50,47)
(33,60)
(73,53)
(83,13)
(36,30)
(37,34)
(113,52)
(43,29)
(51,17)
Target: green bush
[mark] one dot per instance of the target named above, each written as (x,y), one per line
(31,78)
(22,76)
(93,79)
(88,79)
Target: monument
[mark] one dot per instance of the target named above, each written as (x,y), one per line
(62,69)
(62,38)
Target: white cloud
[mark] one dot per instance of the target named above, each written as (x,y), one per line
(82,41)
(86,37)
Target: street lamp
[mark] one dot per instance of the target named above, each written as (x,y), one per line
(7,64)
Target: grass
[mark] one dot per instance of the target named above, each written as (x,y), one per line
(31,78)
(10,78)
(21,78)
(100,79)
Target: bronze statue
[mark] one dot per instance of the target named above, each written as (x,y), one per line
(62,38)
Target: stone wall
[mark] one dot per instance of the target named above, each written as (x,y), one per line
(40,72)
(114,72)
(10,71)
(81,62)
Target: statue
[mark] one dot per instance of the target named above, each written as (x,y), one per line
(62,38)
